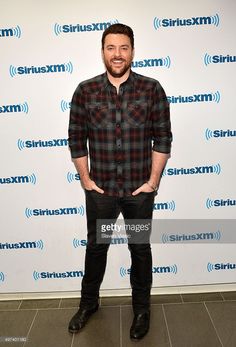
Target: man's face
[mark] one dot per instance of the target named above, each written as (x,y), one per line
(117,54)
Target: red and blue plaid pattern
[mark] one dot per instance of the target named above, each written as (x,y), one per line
(121,130)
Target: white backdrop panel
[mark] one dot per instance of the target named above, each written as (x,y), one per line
(47,49)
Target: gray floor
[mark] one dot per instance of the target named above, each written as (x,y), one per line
(188,320)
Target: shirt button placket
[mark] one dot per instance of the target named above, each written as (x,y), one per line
(119,170)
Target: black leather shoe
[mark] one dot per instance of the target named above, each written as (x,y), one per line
(79,320)
(140,326)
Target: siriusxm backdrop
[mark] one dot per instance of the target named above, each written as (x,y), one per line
(46,50)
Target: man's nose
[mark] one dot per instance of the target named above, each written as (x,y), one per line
(117,52)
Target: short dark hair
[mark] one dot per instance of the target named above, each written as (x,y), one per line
(119,28)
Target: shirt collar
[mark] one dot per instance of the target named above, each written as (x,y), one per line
(129,83)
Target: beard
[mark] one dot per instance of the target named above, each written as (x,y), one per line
(117,74)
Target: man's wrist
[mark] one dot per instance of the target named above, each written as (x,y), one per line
(85,181)
(151,185)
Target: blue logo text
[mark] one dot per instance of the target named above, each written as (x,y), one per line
(220,266)
(18,179)
(22,245)
(220,203)
(41,143)
(211,169)
(156,62)
(219,59)
(10,32)
(45,69)
(53,275)
(219,133)
(210,97)
(18,108)
(79,28)
(169,205)
(193,21)
(63,211)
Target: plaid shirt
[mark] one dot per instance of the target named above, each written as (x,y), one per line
(122,130)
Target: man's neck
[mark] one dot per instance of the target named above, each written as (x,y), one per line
(117,81)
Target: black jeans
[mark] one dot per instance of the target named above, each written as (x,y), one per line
(99,206)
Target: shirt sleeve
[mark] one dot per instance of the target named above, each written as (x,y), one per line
(78,125)
(161,125)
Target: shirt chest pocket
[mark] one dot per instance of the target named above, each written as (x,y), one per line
(99,115)
(136,113)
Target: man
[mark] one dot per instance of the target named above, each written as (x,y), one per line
(125,119)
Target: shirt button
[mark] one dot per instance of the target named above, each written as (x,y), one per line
(118,125)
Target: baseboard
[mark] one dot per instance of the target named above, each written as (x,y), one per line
(121,292)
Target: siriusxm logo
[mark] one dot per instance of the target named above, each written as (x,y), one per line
(210,97)
(18,179)
(63,211)
(193,21)
(218,59)
(191,237)
(11,32)
(156,62)
(22,245)
(18,108)
(220,203)
(114,241)
(220,266)
(71,177)
(79,28)
(2,276)
(41,143)
(52,275)
(78,243)
(219,133)
(46,69)
(65,105)
(155,270)
(211,169)
(169,205)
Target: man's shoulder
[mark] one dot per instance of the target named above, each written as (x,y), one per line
(145,81)
(91,84)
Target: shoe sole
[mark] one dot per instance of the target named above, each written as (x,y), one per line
(137,338)
(77,330)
